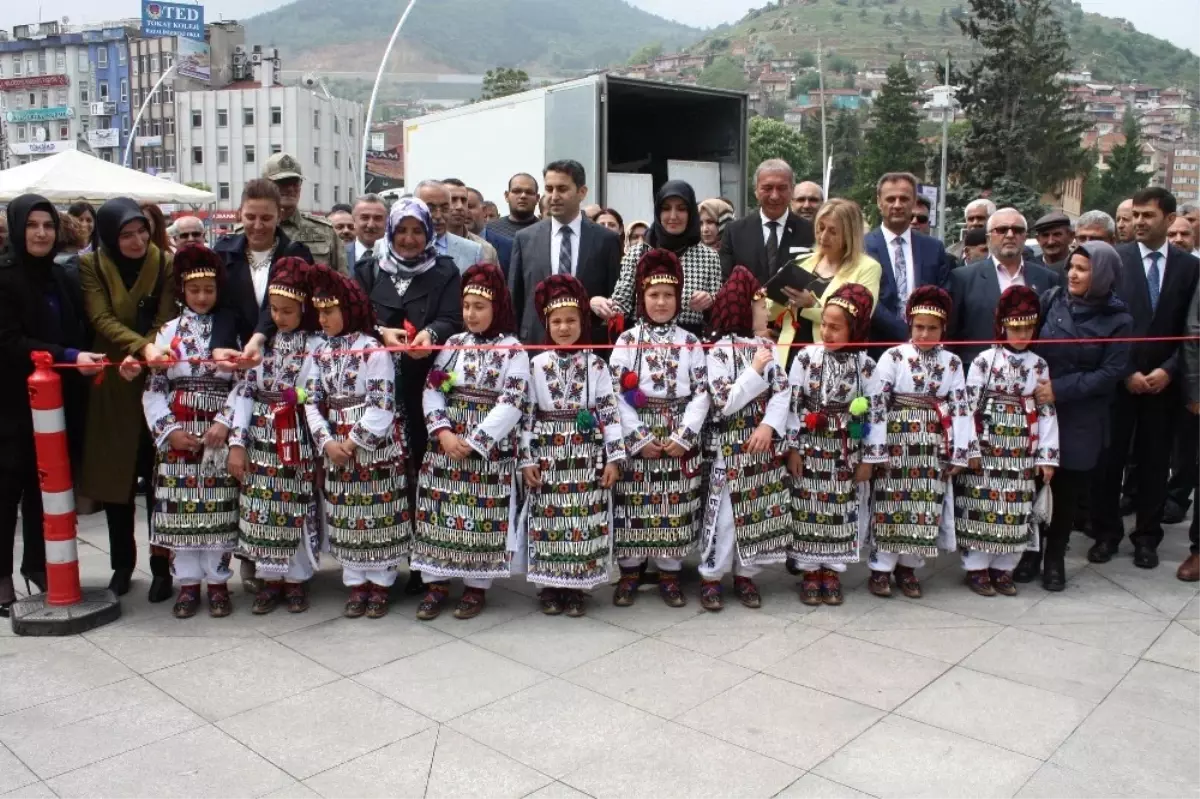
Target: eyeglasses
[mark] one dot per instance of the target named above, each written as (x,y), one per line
(1004,230)
(920,220)
(189,235)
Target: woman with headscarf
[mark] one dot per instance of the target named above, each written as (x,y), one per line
(1083,381)
(129,293)
(676,227)
(41,310)
(715,216)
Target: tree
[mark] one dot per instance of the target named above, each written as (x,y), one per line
(806,60)
(893,144)
(917,22)
(723,73)
(1106,189)
(770,138)
(646,54)
(943,20)
(503,81)
(845,146)
(198,184)
(887,20)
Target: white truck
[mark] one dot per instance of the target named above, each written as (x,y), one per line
(630,135)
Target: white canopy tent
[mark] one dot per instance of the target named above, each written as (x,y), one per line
(72,175)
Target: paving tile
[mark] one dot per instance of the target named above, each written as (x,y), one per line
(1027,720)
(400,769)
(1060,666)
(38,673)
(36,790)
(810,786)
(1092,588)
(1162,693)
(582,725)
(351,646)
(13,774)
(250,676)
(1055,782)
(826,617)
(297,790)
(77,730)
(900,757)
(502,606)
(717,634)
(912,616)
(1124,638)
(658,677)
(697,766)
(553,644)
(1066,608)
(464,768)
(325,727)
(788,722)
(949,645)
(859,670)
(1178,646)
(1155,587)
(450,680)
(147,654)
(557,790)
(156,621)
(200,762)
(649,615)
(945,591)
(774,645)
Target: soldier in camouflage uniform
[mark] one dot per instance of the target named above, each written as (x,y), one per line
(314,232)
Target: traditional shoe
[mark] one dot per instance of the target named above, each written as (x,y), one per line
(1101,552)
(119,584)
(219,604)
(267,597)
(188,602)
(625,593)
(377,601)
(1189,570)
(575,604)
(247,571)
(296,595)
(1144,557)
(551,601)
(880,583)
(710,595)
(669,590)
(435,597)
(356,605)
(1002,582)
(979,582)
(831,587)
(747,592)
(810,589)
(906,578)
(472,603)
(1029,567)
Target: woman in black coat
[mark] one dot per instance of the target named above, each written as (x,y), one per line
(41,309)
(1083,382)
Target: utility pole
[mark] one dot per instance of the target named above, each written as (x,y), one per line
(824,144)
(947,112)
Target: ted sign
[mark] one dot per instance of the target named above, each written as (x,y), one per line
(172,19)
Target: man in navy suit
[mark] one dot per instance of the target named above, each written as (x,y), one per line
(909,259)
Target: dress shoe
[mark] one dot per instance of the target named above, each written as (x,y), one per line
(1101,552)
(1027,570)
(1144,557)
(1173,513)
(119,584)
(1189,570)
(1054,576)
(161,588)
(1127,505)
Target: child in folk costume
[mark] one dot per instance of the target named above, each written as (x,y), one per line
(662,375)
(921,433)
(833,386)
(571,454)
(271,451)
(351,385)
(466,497)
(1018,439)
(195,498)
(747,524)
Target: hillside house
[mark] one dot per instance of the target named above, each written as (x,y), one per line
(848,99)
(775,84)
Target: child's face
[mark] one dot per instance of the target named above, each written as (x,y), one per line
(759,317)
(926,331)
(835,327)
(331,320)
(200,294)
(285,313)
(477,313)
(564,325)
(1019,338)
(660,303)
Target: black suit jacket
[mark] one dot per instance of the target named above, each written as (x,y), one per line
(975,289)
(743,244)
(237,293)
(931,267)
(598,269)
(1169,319)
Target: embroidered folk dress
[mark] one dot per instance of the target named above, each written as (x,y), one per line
(921,426)
(566,523)
(993,507)
(195,499)
(831,510)
(656,503)
(747,493)
(352,395)
(466,509)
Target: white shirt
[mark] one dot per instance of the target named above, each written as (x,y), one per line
(906,242)
(1162,262)
(260,274)
(360,249)
(781,224)
(1008,279)
(576,226)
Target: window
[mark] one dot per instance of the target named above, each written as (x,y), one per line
(158,159)
(156,127)
(154,62)
(171,160)
(249,153)
(336,124)
(20,100)
(276,149)
(169,126)
(336,192)
(222,117)
(45,99)
(222,154)
(137,162)
(60,61)
(316,119)
(197,155)
(29,64)
(167,61)
(33,100)
(83,64)
(124,90)
(337,157)
(247,117)
(197,119)
(317,156)
(168,93)
(276,115)
(64,131)
(222,191)
(141,63)
(60,97)
(122,53)
(125,124)
(103,91)
(42,62)
(137,98)
(102,56)
(17,70)
(317,193)
(85,123)
(84,95)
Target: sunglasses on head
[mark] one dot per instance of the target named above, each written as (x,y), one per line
(1004,230)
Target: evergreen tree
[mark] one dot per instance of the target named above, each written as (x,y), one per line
(503,81)
(893,144)
(845,147)
(1106,189)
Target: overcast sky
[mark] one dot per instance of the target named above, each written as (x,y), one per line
(1177,21)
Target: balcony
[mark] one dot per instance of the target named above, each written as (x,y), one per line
(102,109)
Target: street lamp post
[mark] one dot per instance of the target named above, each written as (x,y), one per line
(362,166)
(141,111)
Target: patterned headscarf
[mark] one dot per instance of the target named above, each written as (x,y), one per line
(563,291)
(290,278)
(858,304)
(731,311)
(658,267)
(487,281)
(1019,306)
(194,262)
(329,288)
(410,208)
(929,300)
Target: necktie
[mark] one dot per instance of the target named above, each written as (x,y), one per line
(900,264)
(1152,277)
(772,246)
(564,252)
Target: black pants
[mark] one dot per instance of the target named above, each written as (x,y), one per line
(19,488)
(1146,420)
(1067,488)
(121,518)
(1185,469)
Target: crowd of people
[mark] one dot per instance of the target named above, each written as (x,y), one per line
(564,396)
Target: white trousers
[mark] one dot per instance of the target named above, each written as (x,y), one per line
(663,564)
(300,569)
(356,577)
(887,561)
(193,566)
(974,560)
(481,583)
(811,564)
(725,552)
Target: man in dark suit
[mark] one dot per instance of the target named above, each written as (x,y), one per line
(773,236)
(565,242)
(370,225)
(976,288)
(909,258)
(1157,282)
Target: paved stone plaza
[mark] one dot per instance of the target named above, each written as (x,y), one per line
(1093,692)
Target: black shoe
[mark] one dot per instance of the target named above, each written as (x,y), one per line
(1127,505)
(161,588)
(1027,570)
(415,585)
(1101,552)
(1054,573)
(1144,557)
(1173,513)
(119,584)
